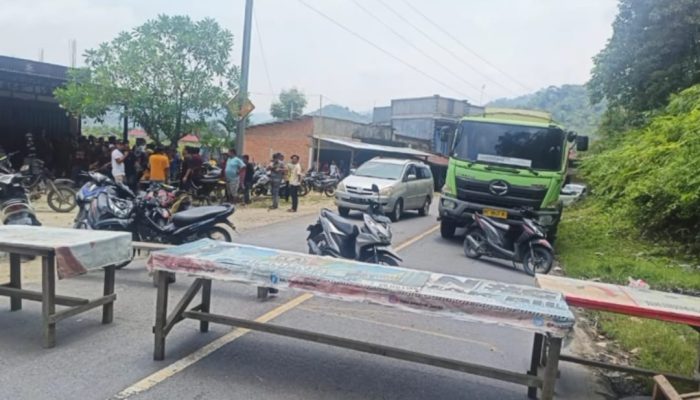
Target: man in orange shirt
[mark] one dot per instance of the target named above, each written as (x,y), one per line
(159,164)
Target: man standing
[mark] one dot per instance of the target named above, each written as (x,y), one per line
(294,182)
(234,165)
(159,165)
(194,166)
(277,171)
(248,178)
(118,162)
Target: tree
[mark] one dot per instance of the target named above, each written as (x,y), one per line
(290,105)
(653,53)
(168,75)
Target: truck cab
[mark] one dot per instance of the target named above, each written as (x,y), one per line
(502,162)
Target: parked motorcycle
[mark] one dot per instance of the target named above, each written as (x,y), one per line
(60,193)
(95,184)
(520,242)
(141,217)
(15,207)
(209,189)
(333,235)
(319,182)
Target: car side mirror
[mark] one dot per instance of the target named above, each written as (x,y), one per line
(411,177)
(375,188)
(581,143)
(352,171)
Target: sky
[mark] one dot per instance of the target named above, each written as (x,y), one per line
(385,48)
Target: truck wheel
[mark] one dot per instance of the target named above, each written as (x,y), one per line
(343,211)
(447,228)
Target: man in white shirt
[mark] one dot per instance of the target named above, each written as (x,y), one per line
(294,182)
(118,156)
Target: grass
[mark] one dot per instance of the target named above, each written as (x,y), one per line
(594,243)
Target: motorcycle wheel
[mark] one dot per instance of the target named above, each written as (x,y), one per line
(469,250)
(303,190)
(541,263)
(329,191)
(384,259)
(219,233)
(67,204)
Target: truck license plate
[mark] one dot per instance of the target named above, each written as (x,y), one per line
(490,212)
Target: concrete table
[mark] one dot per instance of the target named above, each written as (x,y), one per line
(539,312)
(643,303)
(66,253)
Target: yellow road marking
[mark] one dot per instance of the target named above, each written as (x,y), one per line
(416,238)
(179,365)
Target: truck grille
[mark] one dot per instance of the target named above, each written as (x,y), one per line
(518,196)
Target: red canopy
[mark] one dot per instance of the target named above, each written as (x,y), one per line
(190,138)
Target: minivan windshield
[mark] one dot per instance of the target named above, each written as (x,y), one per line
(380,170)
(514,145)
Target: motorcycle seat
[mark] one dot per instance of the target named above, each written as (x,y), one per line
(500,225)
(196,214)
(341,223)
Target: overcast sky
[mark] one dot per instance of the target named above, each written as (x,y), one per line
(531,43)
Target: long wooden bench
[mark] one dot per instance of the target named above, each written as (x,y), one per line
(539,312)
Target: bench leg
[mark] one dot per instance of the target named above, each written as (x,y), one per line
(535,363)
(206,303)
(108,309)
(161,315)
(15,281)
(551,369)
(48,299)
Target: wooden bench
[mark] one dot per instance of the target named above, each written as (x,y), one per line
(539,312)
(663,390)
(66,253)
(643,303)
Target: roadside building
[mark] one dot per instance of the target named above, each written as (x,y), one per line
(27,105)
(418,121)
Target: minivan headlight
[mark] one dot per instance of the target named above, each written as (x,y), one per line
(341,186)
(385,191)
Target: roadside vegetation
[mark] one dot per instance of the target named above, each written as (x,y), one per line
(642,220)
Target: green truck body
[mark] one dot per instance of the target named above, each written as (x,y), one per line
(502,162)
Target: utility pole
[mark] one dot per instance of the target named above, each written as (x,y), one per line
(318,136)
(245,65)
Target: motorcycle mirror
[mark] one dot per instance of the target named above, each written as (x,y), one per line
(375,188)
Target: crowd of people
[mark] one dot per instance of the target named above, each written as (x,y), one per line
(149,162)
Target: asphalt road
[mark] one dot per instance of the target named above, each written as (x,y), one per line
(92,361)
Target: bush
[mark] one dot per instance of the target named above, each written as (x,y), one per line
(652,174)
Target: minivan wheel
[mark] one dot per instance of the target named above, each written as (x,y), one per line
(397,211)
(425,210)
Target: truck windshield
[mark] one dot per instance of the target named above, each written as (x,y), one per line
(381,170)
(518,146)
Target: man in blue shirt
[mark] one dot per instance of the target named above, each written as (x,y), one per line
(234,166)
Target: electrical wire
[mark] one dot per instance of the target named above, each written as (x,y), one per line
(412,45)
(262,52)
(444,48)
(387,53)
(474,53)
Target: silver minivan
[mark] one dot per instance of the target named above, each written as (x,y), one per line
(403,185)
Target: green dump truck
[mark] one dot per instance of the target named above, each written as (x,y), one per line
(503,161)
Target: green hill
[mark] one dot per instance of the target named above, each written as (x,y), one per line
(340,112)
(569,104)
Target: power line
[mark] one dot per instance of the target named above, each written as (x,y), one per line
(451,36)
(440,45)
(262,52)
(369,42)
(408,42)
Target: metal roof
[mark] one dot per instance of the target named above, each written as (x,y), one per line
(375,147)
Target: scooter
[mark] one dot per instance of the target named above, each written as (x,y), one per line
(96,183)
(333,235)
(520,242)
